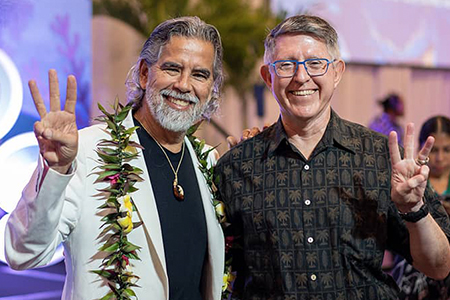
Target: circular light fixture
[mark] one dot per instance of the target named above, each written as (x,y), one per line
(18,157)
(11,94)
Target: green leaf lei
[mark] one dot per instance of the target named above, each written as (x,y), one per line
(212,181)
(114,157)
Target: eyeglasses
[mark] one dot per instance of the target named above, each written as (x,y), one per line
(313,66)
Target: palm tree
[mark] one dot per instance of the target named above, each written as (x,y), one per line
(242,27)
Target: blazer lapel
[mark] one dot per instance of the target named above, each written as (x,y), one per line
(216,245)
(146,205)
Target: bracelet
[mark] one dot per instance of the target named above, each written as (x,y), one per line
(415,216)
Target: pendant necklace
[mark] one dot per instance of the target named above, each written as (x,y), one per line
(178,191)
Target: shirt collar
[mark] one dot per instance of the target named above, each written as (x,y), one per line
(338,134)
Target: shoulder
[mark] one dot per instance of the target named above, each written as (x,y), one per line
(251,148)
(357,130)
(92,134)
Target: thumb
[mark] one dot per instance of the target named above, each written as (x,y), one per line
(231,140)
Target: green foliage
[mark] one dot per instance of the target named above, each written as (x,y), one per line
(114,168)
(243,27)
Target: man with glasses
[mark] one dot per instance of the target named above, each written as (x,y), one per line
(315,199)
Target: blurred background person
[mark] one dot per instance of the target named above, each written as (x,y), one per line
(393,109)
(413,284)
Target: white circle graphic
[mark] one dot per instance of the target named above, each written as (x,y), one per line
(18,159)
(11,94)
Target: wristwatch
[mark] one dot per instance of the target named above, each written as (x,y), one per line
(415,216)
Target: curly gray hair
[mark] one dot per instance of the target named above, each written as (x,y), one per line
(191,27)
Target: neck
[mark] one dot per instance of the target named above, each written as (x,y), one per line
(306,134)
(440,183)
(170,140)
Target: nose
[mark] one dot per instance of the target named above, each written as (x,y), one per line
(439,155)
(182,83)
(301,75)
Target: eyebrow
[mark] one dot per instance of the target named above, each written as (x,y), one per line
(169,64)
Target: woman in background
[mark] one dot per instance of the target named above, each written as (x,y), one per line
(413,284)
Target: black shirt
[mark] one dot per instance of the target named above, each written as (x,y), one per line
(183,223)
(315,228)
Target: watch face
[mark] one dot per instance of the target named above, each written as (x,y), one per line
(11,94)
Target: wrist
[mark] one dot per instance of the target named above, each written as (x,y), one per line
(414,216)
(407,208)
(66,169)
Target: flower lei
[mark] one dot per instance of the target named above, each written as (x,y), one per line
(114,157)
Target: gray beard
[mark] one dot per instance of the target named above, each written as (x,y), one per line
(169,118)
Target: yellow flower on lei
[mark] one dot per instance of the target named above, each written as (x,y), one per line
(228,279)
(125,206)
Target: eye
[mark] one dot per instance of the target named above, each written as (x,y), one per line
(200,76)
(315,63)
(172,70)
(285,65)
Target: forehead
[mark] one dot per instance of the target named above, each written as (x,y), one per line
(299,46)
(187,51)
(441,139)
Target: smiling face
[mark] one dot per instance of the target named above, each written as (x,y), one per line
(301,97)
(179,85)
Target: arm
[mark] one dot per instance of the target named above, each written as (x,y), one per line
(41,220)
(33,231)
(429,245)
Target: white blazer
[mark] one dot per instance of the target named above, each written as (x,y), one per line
(57,208)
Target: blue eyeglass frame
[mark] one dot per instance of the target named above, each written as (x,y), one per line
(304,65)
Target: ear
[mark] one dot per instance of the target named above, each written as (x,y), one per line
(143,74)
(266,76)
(339,69)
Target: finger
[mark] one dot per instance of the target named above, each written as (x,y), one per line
(38,129)
(245,134)
(409,141)
(426,148)
(37,99)
(53,83)
(71,94)
(393,148)
(254,131)
(417,180)
(59,137)
(266,125)
(232,141)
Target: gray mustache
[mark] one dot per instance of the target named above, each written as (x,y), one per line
(176,95)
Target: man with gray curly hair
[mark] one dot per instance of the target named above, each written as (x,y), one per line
(175,83)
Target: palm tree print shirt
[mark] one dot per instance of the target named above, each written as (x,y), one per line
(314,229)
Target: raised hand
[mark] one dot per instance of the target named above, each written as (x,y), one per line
(409,175)
(56,132)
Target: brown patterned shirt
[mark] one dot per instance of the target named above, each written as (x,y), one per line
(314,229)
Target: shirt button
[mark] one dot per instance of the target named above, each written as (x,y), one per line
(310,240)
(313,277)
(307,202)
(306,167)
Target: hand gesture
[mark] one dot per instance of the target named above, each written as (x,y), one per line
(409,175)
(246,134)
(56,132)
